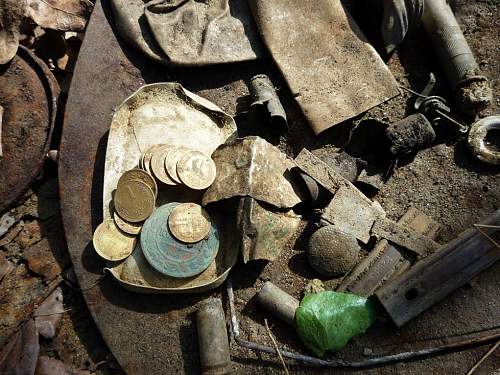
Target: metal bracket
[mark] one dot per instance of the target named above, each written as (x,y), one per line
(436,108)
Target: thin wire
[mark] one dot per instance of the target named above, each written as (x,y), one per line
(413,92)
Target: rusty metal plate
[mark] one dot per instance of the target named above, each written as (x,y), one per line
(28,95)
(135,326)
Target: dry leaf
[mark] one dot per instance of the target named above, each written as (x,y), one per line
(63,15)
(48,315)
(20,354)
(12,13)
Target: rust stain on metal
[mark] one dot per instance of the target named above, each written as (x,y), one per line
(28,97)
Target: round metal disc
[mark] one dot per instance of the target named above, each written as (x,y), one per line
(146,158)
(111,243)
(134,200)
(171,159)
(196,170)
(28,96)
(158,165)
(189,222)
(170,256)
(125,226)
(143,176)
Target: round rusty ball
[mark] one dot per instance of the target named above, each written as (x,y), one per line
(332,252)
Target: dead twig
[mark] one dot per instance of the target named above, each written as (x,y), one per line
(483,358)
(276,347)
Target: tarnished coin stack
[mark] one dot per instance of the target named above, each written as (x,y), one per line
(178,240)
(174,165)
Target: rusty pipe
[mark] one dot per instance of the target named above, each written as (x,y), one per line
(471,89)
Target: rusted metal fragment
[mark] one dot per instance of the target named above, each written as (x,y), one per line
(189,32)
(331,68)
(265,98)
(12,13)
(252,167)
(351,213)
(48,256)
(20,354)
(29,97)
(436,276)
(404,236)
(323,173)
(473,91)
(264,233)
(48,314)
(387,260)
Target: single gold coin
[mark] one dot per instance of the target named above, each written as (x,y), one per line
(111,243)
(141,175)
(158,165)
(171,159)
(125,226)
(189,222)
(196,170)
(134,200)
(146,158)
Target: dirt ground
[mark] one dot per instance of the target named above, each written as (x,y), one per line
(444,182)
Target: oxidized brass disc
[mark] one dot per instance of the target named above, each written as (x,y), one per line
(189,222)
(158,165)
(170,256)
(171,159)
(111,243)
(134,200)
(146,158)
(143,176)
(125,226)
(196,170)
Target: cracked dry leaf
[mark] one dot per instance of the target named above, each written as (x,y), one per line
(11,14)
(63,15)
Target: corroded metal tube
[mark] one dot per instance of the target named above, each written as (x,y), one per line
(212,338)
(278,302)
(472,90)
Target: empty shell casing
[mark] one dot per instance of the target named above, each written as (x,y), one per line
(278,302)
(212,338)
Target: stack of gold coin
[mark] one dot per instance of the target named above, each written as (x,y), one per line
(134,201)
(174,165)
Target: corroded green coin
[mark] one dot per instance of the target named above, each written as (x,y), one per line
(170,256)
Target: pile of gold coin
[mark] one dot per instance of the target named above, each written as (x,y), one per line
(174,165)
(135,199)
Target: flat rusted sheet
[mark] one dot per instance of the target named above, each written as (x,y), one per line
(331,69)
(28,95)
